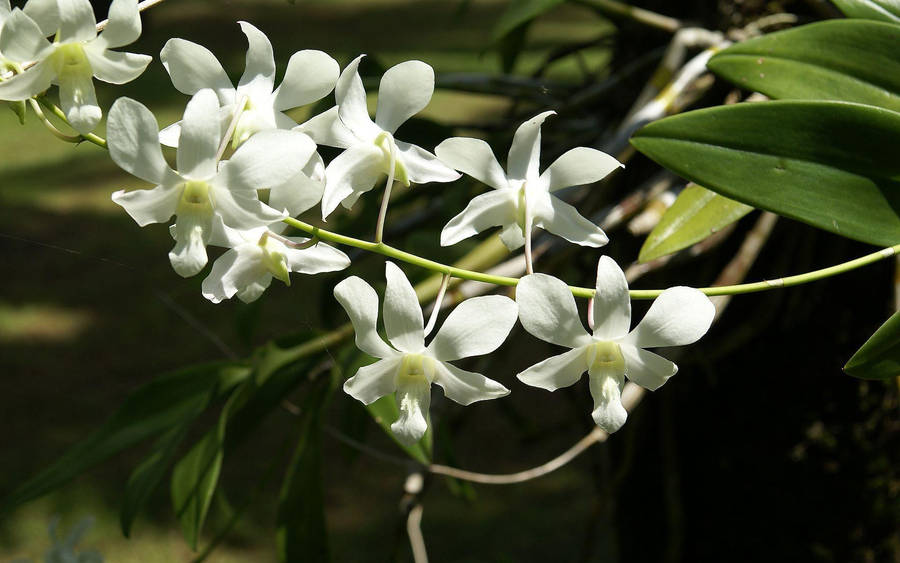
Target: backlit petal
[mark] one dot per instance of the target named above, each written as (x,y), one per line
(124,25)
(476,326)
(361,303)
(491,209)
(525,153)
(316,259)
(402,314)
(79,101)
(414,401)
(558,217)
(557,371)
(76,21)
(608,414)
(473,157)
(259,68)
(547,310)
(238,268)
(149,206)
(581,165)
(612,305)
(404,91)
(21,39)
(193,67)
(466,387)
(681,315)
(422,166)
(31,82)
(374,381)
(115,67)
(328,129)
(351,100)
(310,76)
(356,170)
(200,137)
(645,368)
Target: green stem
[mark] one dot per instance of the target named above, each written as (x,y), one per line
(461,273)
(97,140)
(638,15)
(50,127)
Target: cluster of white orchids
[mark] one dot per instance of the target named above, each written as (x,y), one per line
(273,172)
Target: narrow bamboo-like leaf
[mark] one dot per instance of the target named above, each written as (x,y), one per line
(301,530)
(833,165)
(147,476)
(695,215)
(196,476)
(846,60)
(879,357)
(883,10)
(152,409)
(520,12)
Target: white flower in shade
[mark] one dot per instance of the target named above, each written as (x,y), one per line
(248,268)
(405,90)
(76,56)
(310,76)
(207,197)
(522,198)
(679,316)
(407,367)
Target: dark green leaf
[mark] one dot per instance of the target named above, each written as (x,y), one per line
(301,530)
(848,60)
(196,476)
(883,10)
(147,476)
(511,45)
(879,357)
(152,409)
(695,215)
(520,12)
(833,165)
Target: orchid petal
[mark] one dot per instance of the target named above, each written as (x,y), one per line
(238,268)
(547,310)
(21,39)
(259,68)
(268,159)
(79,101)
(132,136)
(402,314)
(512,236)
(422,166)
(123,26)
(189,256)
(361,303)
(149,206)
(301,192)
(608,414)
(374,381)
(310,76)
(491,209)
(200,137)
(76,21)
(612,305)
(645,368)
(241,208)
(45,13)
(525,152)
(581,165)
(115,67)
(193,67)
(557,371)
(404,91)
(477,326)
(356,170)
(328,129)
(351,100)
(414,401)
(316,259)
(466,387)
(679,316)
(558,217)
(31,82)
(475,158)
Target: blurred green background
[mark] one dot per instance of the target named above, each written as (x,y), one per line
(760,449)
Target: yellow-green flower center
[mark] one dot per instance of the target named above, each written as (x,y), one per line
(415,368)
(274,258)
(605,358)
(385,142)
(69,61)
(196,199)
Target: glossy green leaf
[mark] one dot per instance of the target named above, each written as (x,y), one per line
(301,532)
(879,357)
(849,60)
(152,409)
(695,215)
(520,12)
(833,165)
(882,10)
(147,476)
(196,476)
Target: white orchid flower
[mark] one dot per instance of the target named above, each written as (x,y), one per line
(76,56)
(248,268)
(406,366)
(207,197)
(310,76)
(404,91)
(679,316)
(523,198)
